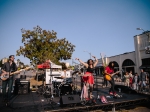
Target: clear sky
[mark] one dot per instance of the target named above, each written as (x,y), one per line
(96,26)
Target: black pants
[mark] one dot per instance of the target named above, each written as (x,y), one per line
(112,86)
(105,82)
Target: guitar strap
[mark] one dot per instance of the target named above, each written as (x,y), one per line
(10,68)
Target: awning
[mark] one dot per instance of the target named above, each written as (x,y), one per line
(44,66)
(144,66)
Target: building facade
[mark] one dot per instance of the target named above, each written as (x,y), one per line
(131,61)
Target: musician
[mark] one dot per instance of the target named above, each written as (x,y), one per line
(88,77)
(110,70)
(9,67)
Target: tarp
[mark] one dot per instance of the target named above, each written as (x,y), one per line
(46,65)
(56,66)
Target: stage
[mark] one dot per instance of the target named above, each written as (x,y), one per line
(33,102)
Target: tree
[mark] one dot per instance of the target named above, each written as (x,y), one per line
(40,45)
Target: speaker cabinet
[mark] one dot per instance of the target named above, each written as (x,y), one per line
(69,99)
(22,87)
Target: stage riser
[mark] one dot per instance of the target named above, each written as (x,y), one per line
(104,107)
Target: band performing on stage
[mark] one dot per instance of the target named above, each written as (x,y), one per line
(71,87)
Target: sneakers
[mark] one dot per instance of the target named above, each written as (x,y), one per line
(111,93)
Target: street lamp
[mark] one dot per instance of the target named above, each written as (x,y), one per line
(89,53)
(145,33)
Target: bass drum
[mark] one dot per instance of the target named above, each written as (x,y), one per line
(65,89)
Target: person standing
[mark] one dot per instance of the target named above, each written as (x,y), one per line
(131,77)
(109,72)
(127,79)
(135,81)
(88,78)
(8,67)
(143,78)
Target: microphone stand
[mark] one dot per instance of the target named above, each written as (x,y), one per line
(51,102)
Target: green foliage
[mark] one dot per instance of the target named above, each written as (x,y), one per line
(40,45)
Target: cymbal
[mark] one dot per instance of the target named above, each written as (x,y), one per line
(55,75)
(76,72)
(59,77)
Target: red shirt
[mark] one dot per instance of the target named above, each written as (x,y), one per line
(109,70)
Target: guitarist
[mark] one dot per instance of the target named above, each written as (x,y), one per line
(110,70)
(8,67)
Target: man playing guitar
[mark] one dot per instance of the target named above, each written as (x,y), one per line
(8,67)
(109,72)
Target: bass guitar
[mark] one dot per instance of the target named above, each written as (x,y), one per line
(5,75)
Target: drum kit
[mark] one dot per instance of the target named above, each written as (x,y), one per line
(55,87)
(68,86)
(62,88)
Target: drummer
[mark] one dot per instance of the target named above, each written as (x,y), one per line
(63,75)
(66,79)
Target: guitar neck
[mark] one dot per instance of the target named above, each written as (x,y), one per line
(115,73)
(16,72)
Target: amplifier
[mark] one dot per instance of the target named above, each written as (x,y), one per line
(22,87)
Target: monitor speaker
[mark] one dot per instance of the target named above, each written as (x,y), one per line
(69,99)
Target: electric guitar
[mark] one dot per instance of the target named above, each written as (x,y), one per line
(109,76)
(5,75)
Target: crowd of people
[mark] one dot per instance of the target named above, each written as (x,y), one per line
(137,81)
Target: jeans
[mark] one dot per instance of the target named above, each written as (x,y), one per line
(143,84)
(9,82)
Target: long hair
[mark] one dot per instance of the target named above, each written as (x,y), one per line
(110,65)
(88,62)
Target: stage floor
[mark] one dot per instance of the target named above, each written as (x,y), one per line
(33,102)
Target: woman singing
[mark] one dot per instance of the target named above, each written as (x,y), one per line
(88,78)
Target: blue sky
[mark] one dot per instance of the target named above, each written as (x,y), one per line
(96,26)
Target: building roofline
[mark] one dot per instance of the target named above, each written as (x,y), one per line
(121,54)
(142,33)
